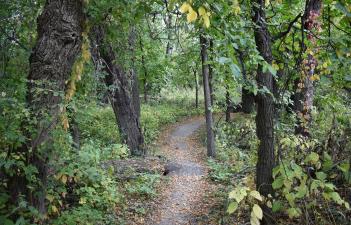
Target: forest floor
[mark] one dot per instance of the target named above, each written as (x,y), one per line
(184,197)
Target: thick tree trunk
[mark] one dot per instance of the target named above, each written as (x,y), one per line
(304,90)
(60,28)
(211,151)
(265,113)
(247,98)
(123,92)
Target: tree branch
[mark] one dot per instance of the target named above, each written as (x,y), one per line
(284,33)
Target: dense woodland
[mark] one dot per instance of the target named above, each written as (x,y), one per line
(88,86)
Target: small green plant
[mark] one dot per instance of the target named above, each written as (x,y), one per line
(244,196)
(294,184)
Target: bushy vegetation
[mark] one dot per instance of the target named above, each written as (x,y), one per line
(80,189)
(311,177)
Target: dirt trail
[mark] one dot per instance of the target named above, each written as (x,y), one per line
(183,196)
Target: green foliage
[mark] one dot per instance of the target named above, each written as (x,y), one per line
(97,123)
(173,105)
(143,186)
(243,195)
(294,183)
(235,141)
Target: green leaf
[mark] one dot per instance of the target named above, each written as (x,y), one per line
(233,206)
(267,67)
(344,167)
(277,206)
(301,191)
(312,157)
(291,198)
(257,211)
(327,162)
(278,182)
(321,176)
(5,221)
(294,212)
(235,70)
(223,60)
(238,194)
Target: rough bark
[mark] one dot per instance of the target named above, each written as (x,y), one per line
(59,41)
(265,113)
(211,151)
(123,91)
(304,90)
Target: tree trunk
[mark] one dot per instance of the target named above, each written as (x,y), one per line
(196,89)
(168,21)
(247,98)
(211,151)
(304,90)
(124,95)
(210,74)
(264,117)
(145,70)
(60,28)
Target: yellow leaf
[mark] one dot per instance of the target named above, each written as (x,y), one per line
(192,15)
(256,195)
(65,123)
(275,66)
(254,220)
(257,211)
(236,10)
(185,7)
(54,209)
(50,198)
(82,201)
(202,11)
(266,3)
(314,77)
(64,178)
(338,53)
(206,21)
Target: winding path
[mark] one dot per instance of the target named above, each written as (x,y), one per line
(187,186)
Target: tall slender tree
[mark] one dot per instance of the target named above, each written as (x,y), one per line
(204,44)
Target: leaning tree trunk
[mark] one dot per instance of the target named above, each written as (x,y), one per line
(123,91)
(59,42)
(265,106)
(304,90)
(211,151)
